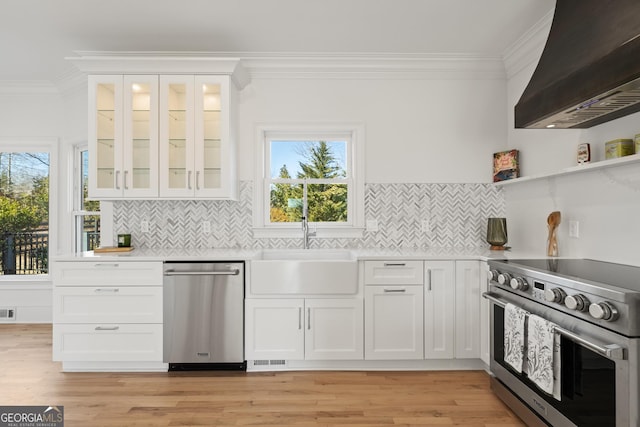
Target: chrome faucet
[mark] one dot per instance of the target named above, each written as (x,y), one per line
(305,221)
(306,233)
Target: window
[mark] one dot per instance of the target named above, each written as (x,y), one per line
(86,212)
(25,212)
(317,171)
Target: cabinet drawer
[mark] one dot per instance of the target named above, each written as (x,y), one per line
(393,272)
(112,273)
(109,304)
(107,343)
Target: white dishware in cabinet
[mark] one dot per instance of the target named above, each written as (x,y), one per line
(197,149)
(123,136)
(299,329)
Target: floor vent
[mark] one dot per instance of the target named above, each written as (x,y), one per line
(7,314)
(269,362)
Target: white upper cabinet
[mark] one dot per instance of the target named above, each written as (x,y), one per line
(197,154)
(162,126)
(123,136)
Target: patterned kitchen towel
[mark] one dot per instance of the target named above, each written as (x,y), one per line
(514,336)
(543,355)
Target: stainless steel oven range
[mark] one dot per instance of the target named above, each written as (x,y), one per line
(594,309)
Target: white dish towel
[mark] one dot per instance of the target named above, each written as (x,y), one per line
(543,355)
(514,339)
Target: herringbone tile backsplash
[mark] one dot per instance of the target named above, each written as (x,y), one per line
(457,216)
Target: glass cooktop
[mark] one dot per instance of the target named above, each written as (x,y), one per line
(603,273)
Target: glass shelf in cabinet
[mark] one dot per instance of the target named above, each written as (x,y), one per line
(106,141)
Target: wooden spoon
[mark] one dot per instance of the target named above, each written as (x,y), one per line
(553,220)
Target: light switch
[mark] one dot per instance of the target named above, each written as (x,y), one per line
(372,225)
(574,229)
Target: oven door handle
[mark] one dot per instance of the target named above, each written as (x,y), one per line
(611,351)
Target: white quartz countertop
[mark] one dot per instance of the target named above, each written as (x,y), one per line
(192,254)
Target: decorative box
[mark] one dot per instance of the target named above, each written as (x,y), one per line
(506,165)
(584,153)
(618,148)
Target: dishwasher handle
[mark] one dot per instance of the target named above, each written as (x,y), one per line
(233,272)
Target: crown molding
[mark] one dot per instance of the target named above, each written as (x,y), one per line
(92,62)
(527,48)
(373,66)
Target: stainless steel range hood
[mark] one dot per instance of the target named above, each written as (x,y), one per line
(589,71)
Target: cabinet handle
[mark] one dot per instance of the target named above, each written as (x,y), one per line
(189,180)
(429,279)
(389,291)
(309,318)
(395,264)
(105,265)
(299,318)
(107,328)
(125,180)
(117,180)
(197,180)
(107,290)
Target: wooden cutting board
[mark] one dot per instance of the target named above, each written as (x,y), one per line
(107,249)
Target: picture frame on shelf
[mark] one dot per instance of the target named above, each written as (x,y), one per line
(506,165)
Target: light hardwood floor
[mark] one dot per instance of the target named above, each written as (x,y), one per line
(354,399)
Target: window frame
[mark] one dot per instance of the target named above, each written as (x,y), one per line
(50,145)
(77,211)
(354,135)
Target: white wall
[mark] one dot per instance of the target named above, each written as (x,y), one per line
(606,203)
(22,118)
(417,131)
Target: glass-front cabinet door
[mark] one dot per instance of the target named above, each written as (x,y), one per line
(140,161)
(123,136)
(105,136)
(213,159)
(176,136)
(196,156)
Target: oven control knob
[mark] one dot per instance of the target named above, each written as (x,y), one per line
(577,302)
(504,278)
(519,283)
(555,295)
(492,275)
(603,310)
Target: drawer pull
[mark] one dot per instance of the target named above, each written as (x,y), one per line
(388,291)
(395,264)
(107,328)
(106,265)
(107,290)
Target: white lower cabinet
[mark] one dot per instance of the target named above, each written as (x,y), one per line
(304,329)
(439,312)
(107,312)
(393,322)
(107,342)
(467,309)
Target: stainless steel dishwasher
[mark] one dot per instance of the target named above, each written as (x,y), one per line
(204,315)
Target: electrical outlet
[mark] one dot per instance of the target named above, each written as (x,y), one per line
(372,225)
(425,226)
(574,229)
(144,226)
(206,226)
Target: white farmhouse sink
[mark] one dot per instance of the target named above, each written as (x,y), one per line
(304,271)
